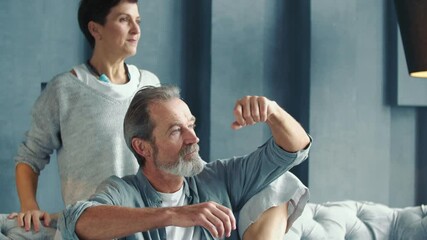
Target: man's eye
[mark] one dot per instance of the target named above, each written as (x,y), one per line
(124,19)
(175,131)
(192,126)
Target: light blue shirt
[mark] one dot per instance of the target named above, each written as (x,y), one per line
(229,182)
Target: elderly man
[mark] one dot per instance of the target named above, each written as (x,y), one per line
(175,195)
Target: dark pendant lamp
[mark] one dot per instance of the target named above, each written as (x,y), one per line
(412,19)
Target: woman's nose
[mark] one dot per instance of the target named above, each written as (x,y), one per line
(135,28)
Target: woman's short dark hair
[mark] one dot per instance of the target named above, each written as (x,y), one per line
(97,11)
(137,122)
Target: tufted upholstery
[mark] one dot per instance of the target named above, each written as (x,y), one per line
(359,220)
(333,220)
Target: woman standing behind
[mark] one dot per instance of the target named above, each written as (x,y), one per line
(80,113)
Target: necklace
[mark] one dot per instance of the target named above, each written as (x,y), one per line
(103,77)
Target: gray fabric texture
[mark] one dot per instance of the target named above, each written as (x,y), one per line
(85,127)
(9,230)
(359,220)
(286,188)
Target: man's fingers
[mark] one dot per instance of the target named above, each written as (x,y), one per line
(222,219)
(215,218)
(239,120)
(235,125)
(219,226)
(212,225)
(247,113)
(263,109)
(211,228)
(229,214)
(225,220)
(250,110)
(254,109)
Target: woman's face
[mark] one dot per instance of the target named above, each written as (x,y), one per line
(120,33)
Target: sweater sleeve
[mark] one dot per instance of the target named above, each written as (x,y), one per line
(259,169)
(109,192)
(44,135)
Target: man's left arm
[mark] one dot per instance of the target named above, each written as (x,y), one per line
(289,135)
(286,131)
(288,147)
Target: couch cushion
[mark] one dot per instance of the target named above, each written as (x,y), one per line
(359,220)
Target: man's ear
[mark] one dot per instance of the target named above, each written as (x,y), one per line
(94,29)
(141,147)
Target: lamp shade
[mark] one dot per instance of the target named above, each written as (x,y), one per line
(412,19)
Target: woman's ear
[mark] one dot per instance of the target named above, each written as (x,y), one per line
(141,147)
(94,29)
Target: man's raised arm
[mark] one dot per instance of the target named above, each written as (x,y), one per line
(286,131)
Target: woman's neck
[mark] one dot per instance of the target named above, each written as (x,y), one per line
(113,69)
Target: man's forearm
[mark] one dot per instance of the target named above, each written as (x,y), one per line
(287,132)
(107,222)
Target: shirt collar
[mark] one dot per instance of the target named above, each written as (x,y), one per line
(152,198)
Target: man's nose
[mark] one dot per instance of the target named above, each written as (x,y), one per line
(190,136)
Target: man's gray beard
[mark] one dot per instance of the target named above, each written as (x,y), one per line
(185,168)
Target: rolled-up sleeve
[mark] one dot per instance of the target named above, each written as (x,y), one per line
(68,219)
(288,158)
(109,192)
(250,174)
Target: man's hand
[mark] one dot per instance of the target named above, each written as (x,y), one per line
(31,217)
(217,219)
(286,131)
(250,110)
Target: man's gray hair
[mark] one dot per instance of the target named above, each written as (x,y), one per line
(137,121)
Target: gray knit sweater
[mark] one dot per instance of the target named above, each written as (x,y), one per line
(85,127)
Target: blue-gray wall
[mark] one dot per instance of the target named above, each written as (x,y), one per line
(38,39)
(332,64)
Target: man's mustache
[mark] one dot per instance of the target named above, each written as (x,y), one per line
(189,149)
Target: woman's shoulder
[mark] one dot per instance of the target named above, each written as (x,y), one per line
(149,78)
(63,82)
(60,80)
(65,77)
(145,77)
(147,74)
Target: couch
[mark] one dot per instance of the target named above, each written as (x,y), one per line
(331,220)
(359,220)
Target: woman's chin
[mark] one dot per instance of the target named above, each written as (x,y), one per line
(132,53)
